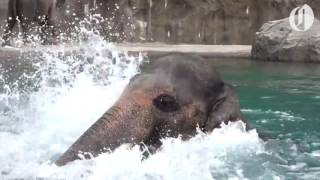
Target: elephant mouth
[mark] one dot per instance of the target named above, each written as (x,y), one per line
(208,126)
(218,103)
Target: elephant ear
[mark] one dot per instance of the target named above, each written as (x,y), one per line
(223,109)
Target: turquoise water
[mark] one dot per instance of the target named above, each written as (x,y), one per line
(282,101)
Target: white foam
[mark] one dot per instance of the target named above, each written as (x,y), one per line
(202,157)
(71,95)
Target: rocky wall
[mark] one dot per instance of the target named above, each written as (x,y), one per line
(179,21)
(199,21)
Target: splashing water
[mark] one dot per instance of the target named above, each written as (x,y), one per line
(67,88)
(51,104)
(202,157)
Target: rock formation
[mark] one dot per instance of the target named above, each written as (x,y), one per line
(277,41)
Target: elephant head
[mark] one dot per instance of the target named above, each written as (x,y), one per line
(177,95)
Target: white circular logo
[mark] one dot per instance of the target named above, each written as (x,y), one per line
(301,18)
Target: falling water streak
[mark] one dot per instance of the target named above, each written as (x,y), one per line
(149,30)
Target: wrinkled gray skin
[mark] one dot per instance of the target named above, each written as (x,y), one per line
(175,96)
(28,12)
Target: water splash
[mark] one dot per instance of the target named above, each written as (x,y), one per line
(70,88)
(48,106)
(202,157)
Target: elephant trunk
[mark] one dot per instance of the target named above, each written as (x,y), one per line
(120,124)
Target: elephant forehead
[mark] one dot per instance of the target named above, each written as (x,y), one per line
(162,79)
(185,88)
(150,82)
(143,96)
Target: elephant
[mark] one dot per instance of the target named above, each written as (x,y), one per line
(174,97)
(28,12)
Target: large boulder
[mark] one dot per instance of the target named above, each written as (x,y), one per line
(277,41)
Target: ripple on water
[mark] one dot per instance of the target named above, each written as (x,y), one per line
(279,115)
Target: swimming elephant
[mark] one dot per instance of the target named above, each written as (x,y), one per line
(174,97)
(28,12)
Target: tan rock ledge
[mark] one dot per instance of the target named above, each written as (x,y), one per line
(151,49)
(221,51)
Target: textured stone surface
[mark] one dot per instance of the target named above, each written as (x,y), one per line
(277,41)
(203,21)
(209,51)
(179,21)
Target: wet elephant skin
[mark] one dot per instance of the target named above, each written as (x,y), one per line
(173,97)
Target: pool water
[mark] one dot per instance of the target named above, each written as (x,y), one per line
(282,101)
(44,110)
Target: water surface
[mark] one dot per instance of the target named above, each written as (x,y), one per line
(282,100)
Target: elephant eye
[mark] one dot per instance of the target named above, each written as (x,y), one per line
(166,103)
